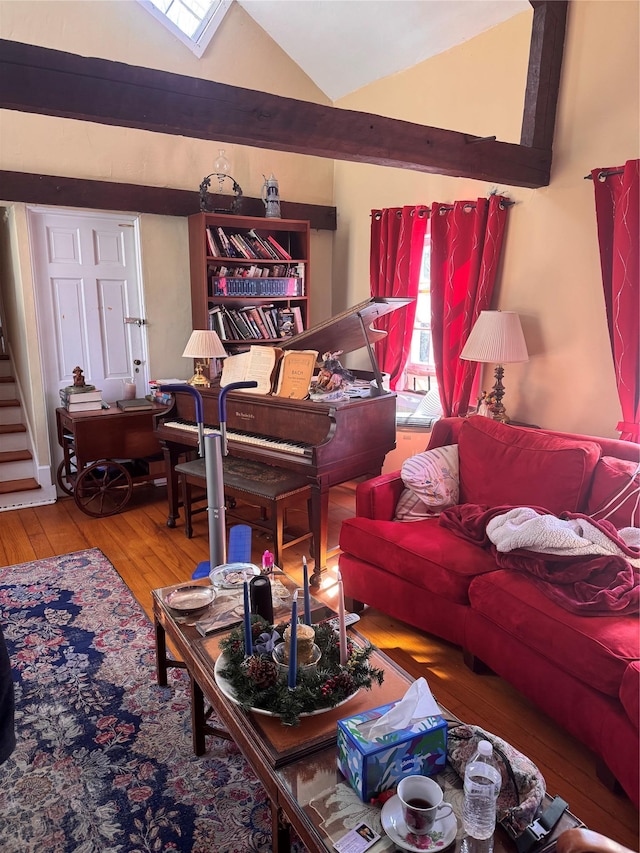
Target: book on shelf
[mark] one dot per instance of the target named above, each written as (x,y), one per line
(295,374)
(286,323)
(258,286)
(268,249)
(211,243)
(280,250)
(240,247)
(227,249)
(297,319)
(139,404)
(258,319)
(258,363)
(85,406)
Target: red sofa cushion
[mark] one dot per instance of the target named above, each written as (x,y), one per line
(594,649)
(502,465)
(427,556)
(630,692)
(615,492)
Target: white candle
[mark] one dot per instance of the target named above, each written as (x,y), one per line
(341,624)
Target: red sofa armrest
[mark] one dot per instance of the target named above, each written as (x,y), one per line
(377,498)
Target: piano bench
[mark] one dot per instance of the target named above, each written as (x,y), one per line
(272,489)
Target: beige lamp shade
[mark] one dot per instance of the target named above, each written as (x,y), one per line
(204,344)
(496,338)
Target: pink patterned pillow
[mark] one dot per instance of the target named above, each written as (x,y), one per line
(431,483)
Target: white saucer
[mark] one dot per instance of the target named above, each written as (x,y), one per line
(443,833)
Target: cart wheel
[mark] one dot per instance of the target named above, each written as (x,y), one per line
(67,473)
(103,488)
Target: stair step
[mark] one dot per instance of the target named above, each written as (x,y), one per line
(14,455)
(7,379)
(4,356)
(6,404)
(19,486)
(5,429)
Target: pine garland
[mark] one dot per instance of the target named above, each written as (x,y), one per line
(257,684)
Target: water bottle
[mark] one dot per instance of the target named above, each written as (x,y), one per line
(482,782)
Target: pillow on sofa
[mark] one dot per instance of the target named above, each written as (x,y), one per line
(505,465)
(431,483)
(615,492)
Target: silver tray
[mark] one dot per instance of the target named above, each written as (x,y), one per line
(190,599)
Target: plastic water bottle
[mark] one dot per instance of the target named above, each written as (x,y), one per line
(482,782)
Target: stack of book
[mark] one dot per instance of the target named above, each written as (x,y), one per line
(82,398)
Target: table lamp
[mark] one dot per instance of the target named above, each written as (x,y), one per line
(496,338)
(203,345)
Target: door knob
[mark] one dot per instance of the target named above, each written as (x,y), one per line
(137,361)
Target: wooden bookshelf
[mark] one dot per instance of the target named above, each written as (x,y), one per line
(249,277)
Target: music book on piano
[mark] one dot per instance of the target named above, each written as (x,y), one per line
(295,374)
(258,363)
(283,374)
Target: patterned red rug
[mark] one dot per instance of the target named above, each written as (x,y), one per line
(104,762)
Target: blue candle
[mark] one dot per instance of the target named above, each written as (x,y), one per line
(307,597)
(293,642)
(248,640)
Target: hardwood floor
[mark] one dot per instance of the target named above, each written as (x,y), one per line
(148,555)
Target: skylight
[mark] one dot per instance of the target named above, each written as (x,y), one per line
(192,21)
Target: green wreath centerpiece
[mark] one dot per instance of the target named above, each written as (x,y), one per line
(257,683)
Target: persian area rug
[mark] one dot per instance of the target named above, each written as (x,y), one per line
(104,762)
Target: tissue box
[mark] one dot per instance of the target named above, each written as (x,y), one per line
(375,766)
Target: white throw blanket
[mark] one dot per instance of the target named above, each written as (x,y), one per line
(523,527)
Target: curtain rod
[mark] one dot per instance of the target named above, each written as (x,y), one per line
(604,174)
(504,203)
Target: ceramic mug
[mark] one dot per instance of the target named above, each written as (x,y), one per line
(422,803)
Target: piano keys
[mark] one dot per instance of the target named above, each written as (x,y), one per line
(329,442)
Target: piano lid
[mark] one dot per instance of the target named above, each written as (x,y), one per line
(349,331)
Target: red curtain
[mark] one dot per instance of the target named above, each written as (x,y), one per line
(397,244)
(617,192)
(466,242)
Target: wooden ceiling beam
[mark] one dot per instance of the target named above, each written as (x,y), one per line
(50,82)
(135,198)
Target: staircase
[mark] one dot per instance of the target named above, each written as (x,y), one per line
(19,486)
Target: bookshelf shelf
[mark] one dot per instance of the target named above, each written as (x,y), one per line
(249,277)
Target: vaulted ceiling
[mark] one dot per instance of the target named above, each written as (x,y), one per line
(50,82)
(343,45)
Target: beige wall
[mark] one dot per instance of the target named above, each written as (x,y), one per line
(240,54)
(551,272)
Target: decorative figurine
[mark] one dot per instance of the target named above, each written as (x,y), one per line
(78,378)
(270,197)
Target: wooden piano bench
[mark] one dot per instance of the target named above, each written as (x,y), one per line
(272,489)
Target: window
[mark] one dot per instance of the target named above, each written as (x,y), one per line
(420,371)
(192,21)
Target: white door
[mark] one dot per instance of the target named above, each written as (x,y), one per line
(89,303)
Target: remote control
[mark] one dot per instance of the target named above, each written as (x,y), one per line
(349,619)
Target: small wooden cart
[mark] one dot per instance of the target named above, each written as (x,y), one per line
(105,453)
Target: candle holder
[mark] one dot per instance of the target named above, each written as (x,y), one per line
(280,657)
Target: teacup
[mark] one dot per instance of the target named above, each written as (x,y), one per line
(422,803)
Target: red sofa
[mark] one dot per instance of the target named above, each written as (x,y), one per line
(582,670)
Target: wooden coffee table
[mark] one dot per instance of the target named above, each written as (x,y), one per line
(296,765)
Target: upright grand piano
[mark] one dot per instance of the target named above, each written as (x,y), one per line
(329,442)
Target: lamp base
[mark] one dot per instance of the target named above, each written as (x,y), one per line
(498,411)
(199,380)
